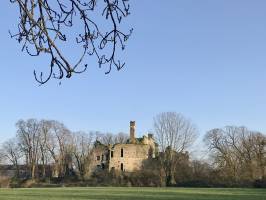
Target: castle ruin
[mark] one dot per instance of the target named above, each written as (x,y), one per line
(126,157)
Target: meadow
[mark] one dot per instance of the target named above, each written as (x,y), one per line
(132,193)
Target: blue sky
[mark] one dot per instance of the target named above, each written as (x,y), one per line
(205,59)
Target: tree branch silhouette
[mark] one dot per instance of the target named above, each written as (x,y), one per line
(42,25)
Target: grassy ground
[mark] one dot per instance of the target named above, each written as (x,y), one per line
(132,193)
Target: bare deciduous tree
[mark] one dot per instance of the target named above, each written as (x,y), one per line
(121,138)
(238,152)
(49,129)
(82,146)
(61,142)
(106,138)
(43,26)
(28,133)
(12,153)
(45,146)
(174,134)
(110,138)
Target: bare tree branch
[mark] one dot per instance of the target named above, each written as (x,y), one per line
(42,27)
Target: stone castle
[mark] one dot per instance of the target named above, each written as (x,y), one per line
(126,157)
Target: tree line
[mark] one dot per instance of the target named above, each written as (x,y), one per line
(48,146)
(47,151)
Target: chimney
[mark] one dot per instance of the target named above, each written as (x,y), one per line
(132,131)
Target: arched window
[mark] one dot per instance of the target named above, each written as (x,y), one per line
(122,167)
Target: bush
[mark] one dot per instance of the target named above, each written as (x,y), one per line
(260,183)
(5,182)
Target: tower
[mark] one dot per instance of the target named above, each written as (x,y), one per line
(132,132)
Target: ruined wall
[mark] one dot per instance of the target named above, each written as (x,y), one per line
(133,156)
(150,141)
(99,158)
(134,153)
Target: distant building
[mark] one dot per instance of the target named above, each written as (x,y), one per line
(127,157)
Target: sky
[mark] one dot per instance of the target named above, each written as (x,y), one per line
(205,59)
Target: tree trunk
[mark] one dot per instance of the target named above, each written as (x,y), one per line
(33,168)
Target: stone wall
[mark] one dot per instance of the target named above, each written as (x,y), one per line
(134,152)
(133,156)
(99,158)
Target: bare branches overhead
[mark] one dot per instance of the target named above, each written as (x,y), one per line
(42,29)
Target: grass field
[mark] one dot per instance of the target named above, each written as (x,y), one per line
(132,193)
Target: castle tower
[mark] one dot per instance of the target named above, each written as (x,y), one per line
(132,132)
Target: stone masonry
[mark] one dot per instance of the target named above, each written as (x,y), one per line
(127,157)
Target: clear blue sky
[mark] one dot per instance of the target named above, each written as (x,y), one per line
(205,59)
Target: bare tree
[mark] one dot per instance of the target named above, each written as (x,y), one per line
(174,134)
(45,145)
(10,150)
(60,148)
(49,129)
(57,147)
(121,138)
(106,138)
(28,133)
(238,152)
(40,141)
(259,141)
(82,146)
(42,31)
(55,140)
(110,138)
(223,156)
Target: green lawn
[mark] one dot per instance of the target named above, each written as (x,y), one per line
(132,193)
